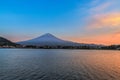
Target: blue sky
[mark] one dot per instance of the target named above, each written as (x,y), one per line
(68,19)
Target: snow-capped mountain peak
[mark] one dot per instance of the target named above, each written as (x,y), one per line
(50,40)
(47,36)
(46,39)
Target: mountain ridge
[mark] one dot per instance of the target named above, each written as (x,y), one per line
(5,42)
(51,40)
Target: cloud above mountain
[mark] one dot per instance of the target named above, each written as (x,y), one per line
(108,20)
(76,20)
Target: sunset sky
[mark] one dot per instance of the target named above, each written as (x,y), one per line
(84,21)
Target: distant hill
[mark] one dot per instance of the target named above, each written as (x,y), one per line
(4,42)
(112,47)
(51,40)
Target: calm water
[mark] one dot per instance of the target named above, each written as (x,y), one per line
(35,64)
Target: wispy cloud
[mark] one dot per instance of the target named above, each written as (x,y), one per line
(101,7)
(106,39)
(109,20)
(103,15)
(94,2)
(102,23)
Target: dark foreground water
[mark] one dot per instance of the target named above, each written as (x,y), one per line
(36,64)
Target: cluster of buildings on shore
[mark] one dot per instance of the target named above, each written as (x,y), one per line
(112,47)
(8,46)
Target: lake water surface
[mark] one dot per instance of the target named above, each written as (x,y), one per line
(58,64)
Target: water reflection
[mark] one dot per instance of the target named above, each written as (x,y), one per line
(18,64)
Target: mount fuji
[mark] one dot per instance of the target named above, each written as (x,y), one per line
(50,40)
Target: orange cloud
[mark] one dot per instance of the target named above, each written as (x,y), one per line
(106,39)
(110,20)
(102,39)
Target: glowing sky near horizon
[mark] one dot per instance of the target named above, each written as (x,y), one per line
(84,21)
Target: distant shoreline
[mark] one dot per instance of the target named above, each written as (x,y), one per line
(49,41)
(60,49)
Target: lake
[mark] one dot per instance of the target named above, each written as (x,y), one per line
(59,64)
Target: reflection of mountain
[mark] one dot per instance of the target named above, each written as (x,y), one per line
(50,40)
(5,42)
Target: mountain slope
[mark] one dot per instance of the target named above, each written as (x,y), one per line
(4,42)
(51,40)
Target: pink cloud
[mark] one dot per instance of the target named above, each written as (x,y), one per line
(106,39)
(109,20)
